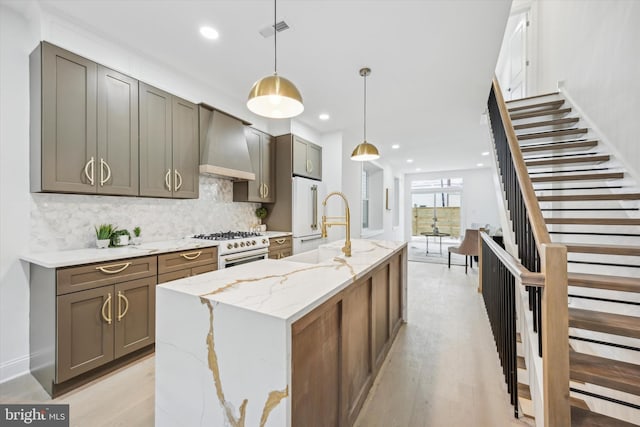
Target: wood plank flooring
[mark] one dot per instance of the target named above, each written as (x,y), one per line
(442,370)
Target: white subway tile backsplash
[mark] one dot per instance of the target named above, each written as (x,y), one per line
(66,221)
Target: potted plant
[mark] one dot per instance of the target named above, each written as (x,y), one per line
(136,233)
(261,213)
(103,235)
(120,238)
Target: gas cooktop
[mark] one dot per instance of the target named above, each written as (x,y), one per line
(227,235)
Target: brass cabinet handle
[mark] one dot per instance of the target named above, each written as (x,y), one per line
(309,166)
(261,191)
(266,190)
(102,165)
(167,179)
(86,170)
(280,241)
(105,268)
(177,177)
(121,313)
(191,255)
(106,303)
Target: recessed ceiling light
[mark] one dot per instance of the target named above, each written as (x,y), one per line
(480,165)
(409,160)
(485,153)
(395,146)
(209,33)
(324,116)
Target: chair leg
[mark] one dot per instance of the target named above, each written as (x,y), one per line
(449,260)
(471,261)
(465,264)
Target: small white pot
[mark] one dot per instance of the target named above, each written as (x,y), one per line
(123,240)
(136,240)
(102,243)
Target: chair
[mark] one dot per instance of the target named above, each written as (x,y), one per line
(468,247)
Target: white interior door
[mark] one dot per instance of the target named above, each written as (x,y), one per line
(517,60)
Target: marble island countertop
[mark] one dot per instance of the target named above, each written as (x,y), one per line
(289,288)
(55,259)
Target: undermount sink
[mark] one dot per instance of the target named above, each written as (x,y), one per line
(316,256)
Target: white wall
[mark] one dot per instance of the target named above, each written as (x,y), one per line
(592,46)
(479,202)
(16,41)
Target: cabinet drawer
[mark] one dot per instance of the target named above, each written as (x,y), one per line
(280,253)
(187,259)
(278,243)
(187,272)
(73,279)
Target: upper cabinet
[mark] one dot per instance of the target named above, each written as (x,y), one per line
(307,158)
(169,145)
(262,154)
(84,125)
(97,131)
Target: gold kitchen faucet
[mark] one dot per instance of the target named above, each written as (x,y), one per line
(338,220)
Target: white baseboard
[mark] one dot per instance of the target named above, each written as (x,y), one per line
(14,368)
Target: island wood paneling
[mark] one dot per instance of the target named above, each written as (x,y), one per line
(338,348)
(316,365)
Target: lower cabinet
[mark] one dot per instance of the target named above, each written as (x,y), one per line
(338,348)
(99,325)
(178,265)
(280,247)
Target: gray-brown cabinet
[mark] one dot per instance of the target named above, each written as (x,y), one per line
(262,154)
(169,145)
(338,348)
(84,125)
(280,247)
(307,158)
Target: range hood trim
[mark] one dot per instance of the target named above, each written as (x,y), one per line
(222,172)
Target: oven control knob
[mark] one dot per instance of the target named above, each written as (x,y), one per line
(253,242)
(265,241)
(235,245)
(242,244)
(229,246)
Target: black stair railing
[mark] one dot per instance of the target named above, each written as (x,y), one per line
(539,265)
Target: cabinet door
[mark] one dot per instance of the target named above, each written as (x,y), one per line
(267,167)
(117,161)
(85,331)
(68,122)
(315,376)
(134,315)
(300,166)
(314,160)
(186,150)
(254,188)
(357,369)
(380,298)
(156,166)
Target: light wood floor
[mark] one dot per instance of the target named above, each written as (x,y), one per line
(441,371)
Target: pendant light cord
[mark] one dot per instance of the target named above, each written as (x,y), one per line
(275,38)
(365,107)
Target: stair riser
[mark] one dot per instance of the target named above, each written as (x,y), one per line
(578,176)
(564,148)
(539,137)
(603,269)
(525,107)
(546,114)
(607,408)
(591,204)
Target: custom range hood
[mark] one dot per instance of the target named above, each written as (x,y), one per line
(223,145)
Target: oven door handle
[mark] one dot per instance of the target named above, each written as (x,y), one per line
(246,256)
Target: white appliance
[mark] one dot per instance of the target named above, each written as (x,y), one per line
(307,198)
(238,247)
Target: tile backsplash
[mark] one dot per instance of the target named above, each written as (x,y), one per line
(66,221)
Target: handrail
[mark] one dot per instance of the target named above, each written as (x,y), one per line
(539,228)
(526,277)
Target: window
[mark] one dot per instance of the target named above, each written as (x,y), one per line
(365,199)
(396,202)
(436,206)
(372,197)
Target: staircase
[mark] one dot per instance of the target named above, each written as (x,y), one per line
(589,205)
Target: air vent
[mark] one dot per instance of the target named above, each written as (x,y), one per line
(268,30)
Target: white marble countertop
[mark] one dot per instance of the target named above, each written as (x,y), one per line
(66,258)
(272,234)
(291,287)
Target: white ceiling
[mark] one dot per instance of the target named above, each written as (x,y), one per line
(432,62)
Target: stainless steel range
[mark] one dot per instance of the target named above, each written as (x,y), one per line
(238,247)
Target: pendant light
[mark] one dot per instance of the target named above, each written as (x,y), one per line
(365,151)
(274,96)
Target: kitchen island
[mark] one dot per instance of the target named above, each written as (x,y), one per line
(288,342)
